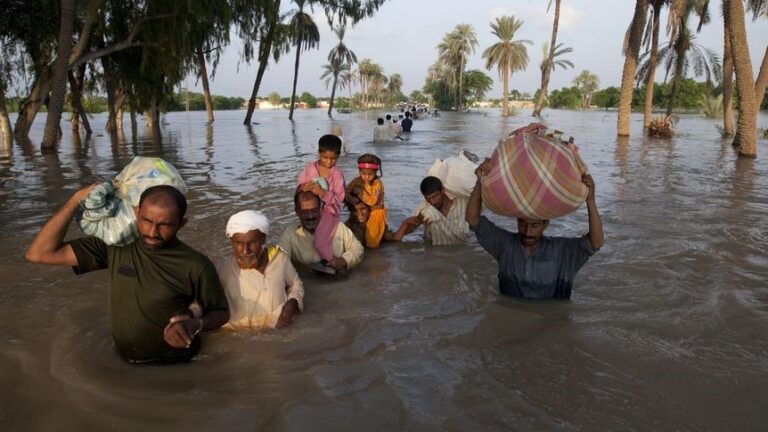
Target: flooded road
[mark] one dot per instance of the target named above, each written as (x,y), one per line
(667,328)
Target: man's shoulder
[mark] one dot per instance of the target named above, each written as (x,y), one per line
(192,255)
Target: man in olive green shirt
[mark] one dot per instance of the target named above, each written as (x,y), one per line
(153,280)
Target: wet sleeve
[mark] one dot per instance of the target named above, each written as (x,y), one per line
(575,252)
(210,294)
(91,253)
(294,287)
(353,249)
(492,238)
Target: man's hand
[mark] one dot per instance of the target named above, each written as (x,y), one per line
(286,315)
(484,168)
(338,263)
(181,330)
(590,183)
(306,187)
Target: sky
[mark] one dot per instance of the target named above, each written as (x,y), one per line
(403,37)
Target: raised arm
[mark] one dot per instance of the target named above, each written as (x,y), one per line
(475,202)
(48,247)
(596,237)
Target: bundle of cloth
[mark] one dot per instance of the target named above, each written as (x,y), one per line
(535,175)
(107,211)
(457,173)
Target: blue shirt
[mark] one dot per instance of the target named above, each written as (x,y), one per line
(407,124)
(549,270)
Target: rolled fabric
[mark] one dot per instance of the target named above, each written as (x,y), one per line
(248,220)
(534,176)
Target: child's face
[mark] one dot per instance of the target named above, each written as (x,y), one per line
(367,175)
(362,212)
(328,158)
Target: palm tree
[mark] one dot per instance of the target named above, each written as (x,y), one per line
(331,75)
(365,71)
(546,70)
(758,8)
(746,131)
(509,56)
(304,37)
(631,52)
(683,52)
(587,83)
(394,87)
(454,50)
(341,58)
(560,50)
(653,57)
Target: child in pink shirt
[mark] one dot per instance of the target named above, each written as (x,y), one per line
(324,179)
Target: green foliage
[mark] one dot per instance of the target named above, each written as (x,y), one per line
(341,103)
(566,97)
(476,85)
(417,96)
(274,98)
(690,94)
(607,97)
(197,103)
(441,92)
(307,98)
(713,106)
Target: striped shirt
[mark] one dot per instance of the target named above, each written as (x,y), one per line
(445,230)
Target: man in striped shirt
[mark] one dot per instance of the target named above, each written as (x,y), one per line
(443,217)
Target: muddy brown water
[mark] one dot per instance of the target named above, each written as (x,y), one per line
(667,328)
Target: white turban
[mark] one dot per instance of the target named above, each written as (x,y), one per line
(248,220)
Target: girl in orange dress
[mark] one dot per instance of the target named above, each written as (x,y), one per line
(369,189)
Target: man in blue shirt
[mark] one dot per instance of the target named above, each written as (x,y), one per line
(407,123)
(532,265)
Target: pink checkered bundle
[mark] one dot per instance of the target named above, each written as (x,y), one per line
(534,176)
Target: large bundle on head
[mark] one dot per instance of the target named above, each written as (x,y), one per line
(107,212)
(534,175)
(457,173)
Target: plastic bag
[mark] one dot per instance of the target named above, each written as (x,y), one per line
(457,173)
(107,212)
(143,173)
(108,217)
(535,175)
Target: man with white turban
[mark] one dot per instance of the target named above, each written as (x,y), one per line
(262,286)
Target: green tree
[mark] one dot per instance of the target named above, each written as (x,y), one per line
(566,97)
(304,36)
(606,98)
(394,87)
(453,51)
(308,99)
(274,98)
(587,83)
(476,85)
(508,55)
(340,59)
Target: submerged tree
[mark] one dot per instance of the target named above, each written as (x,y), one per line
(587,83)
(508,55)
(454,49)
(631,52)
(546,68)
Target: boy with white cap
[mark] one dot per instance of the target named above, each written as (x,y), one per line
(261,284)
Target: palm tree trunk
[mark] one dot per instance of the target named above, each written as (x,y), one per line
(265,48)
(505,91)
(650,79)
(75,87)
(461,85)
(546,68)
(762,80)
(333,93)
(630,67)
(59,84)
(728,127)
(5,121)
(295,77)
(676,78)
(746,131)
(206,88)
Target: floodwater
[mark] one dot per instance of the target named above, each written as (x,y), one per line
(667,328)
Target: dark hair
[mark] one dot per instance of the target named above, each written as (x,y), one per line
(389,117)
(371,158)
(408,114)
(169,192)
(329,143)
(430,185)
(380,121)
(302,195)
